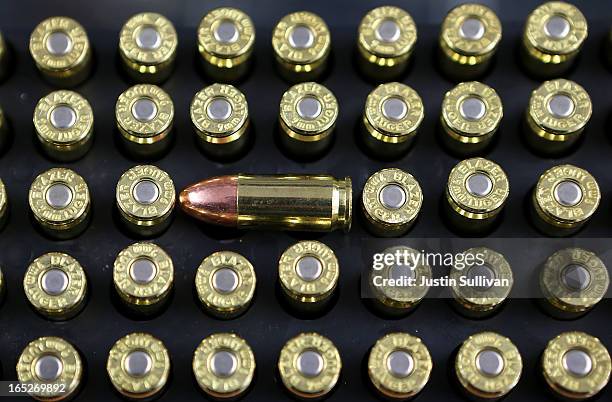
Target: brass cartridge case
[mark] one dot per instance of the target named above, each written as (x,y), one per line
(314,203)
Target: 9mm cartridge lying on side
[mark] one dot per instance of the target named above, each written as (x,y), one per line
(319,203)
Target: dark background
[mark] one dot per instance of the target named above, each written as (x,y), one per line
(267,325)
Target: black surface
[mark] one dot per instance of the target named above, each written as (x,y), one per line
(267,325)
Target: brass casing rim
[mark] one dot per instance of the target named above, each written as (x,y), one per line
(554,52)
(388,219)
(144,133)
(402,297)
(301,60)
(382,128)
(64,65)
(142,60)
(302,129)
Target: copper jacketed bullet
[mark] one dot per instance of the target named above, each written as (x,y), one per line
(281,202)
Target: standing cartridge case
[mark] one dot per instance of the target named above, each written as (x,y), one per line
(281,202)
(61,51)
(554,34)
(385,42)
(558,113)
(301,43)
(572,280)
(479,298)
(60,203)
(469,38)
(147,47)
(488,366)
(391,118)
(226,38)
(564,199)
(220,118)
(144,115)
(54,365)
(399,366)
(476,192)
(307,118)
(308,273)
(471,114)
(64,123)
(576,366)
(145,198)
(391,201)
(139,366)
